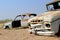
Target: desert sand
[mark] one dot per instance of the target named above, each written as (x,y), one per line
(22,34)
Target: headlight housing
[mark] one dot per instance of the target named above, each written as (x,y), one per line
(47,25)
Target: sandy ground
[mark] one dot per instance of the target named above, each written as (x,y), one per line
(22,34)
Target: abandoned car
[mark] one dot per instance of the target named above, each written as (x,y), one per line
(19,21)
(49,21)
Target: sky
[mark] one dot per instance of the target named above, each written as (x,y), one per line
(11,8)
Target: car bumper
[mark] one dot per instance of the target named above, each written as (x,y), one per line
(47,33)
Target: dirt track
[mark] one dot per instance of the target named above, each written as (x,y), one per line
(22,34)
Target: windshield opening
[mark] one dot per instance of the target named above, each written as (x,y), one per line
(53,6)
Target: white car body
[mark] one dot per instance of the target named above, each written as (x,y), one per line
(8,24)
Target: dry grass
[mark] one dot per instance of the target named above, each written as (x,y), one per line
(1,25)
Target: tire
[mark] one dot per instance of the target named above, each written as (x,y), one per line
(57,34)
(6,27)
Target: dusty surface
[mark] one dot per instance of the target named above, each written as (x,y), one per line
(22,34)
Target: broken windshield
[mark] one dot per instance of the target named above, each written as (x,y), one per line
(53,6)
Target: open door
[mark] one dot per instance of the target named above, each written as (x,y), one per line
(16,23)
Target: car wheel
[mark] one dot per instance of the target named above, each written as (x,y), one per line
(6,27)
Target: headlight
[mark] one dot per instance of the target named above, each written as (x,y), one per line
(47,25)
